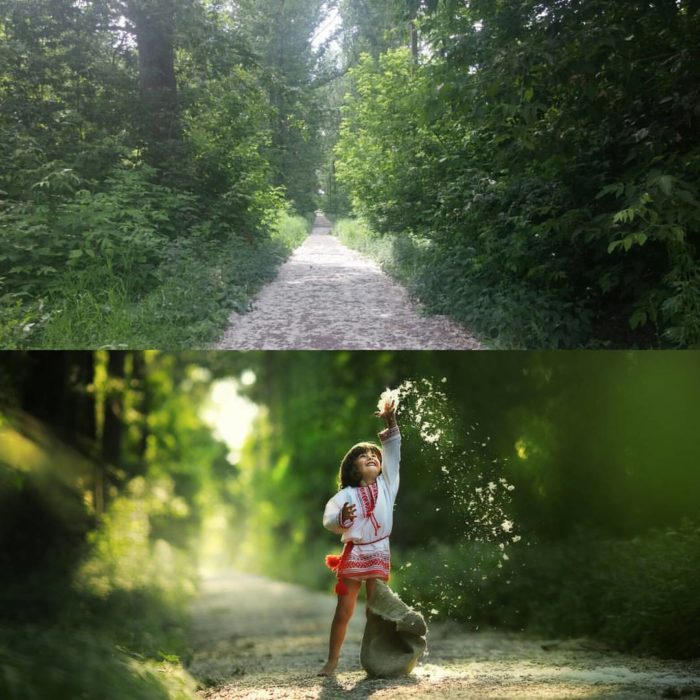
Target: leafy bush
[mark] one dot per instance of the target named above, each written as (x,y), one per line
(121,228)
(547,156)
(637,594)
(18,316)
(182,297)
(114,629)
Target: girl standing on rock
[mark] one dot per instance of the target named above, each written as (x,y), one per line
(362,513)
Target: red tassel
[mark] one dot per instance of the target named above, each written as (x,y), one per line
(332,561)
(341,588)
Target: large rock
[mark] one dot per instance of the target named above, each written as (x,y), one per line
(394,638)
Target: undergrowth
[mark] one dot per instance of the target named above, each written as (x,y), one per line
(638,595)
(508,315)
(103,619)
(181,298)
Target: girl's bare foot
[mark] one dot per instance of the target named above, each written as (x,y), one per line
(328,669)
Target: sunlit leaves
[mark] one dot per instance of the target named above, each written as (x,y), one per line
(545,159)
(89,233)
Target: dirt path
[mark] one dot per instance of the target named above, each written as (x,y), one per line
(255,638)
(328,297)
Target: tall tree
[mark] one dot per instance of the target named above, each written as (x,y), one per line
(153,24)
(283,31)
(113,420)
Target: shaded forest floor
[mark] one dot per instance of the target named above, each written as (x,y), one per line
(256,638)
(328,297)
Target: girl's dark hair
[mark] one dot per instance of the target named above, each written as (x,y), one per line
(349,474)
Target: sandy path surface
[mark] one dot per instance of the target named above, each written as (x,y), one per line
(255,638)
(328,297)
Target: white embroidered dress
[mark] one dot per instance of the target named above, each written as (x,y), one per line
(366,554)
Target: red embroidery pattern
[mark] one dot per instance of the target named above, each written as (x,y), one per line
(359,565)
(389,433)
(368,499)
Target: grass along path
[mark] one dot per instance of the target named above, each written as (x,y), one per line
(256,638)
(328,297)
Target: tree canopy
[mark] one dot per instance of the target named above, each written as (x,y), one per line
(543,157)
(141,139)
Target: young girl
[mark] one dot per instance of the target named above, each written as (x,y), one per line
(362,513)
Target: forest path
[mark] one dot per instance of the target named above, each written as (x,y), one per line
(256,638)
(328,297)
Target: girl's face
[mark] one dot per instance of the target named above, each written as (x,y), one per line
(369,465)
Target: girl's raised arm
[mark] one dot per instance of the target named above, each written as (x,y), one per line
(391,446)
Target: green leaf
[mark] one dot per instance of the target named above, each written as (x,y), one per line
(624,215)
(617,188)
(665,183)
(638,318)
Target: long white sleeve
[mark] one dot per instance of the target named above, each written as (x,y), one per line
(333,512)
(391,457)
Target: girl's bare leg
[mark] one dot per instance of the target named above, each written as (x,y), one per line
(343,612)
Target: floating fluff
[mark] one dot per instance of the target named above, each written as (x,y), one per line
(476,495)
(389,396)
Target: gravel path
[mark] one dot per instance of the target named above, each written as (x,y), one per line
(328,297)
(259,639)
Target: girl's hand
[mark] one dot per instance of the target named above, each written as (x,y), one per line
(388,413)
(348,512)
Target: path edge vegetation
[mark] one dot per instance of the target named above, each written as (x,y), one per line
(99,606)
(197,287)
(535,168)
(154,156)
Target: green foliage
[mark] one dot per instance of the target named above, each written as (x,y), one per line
(198,282)
(374,28)
(16,319)
(375,153)
(99,206)
(290,230)
(93,601)
(637,594)
(496,312)
(124,555)
(36,662)
(119,230)
(549,153)
(281,35)
(115,627)
(357,234)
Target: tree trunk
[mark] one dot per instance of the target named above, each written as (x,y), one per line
(44,390)
(412,7)
(140,381)
(154,27)
(113,417)
(80,407)
(56,392)
(414,42)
